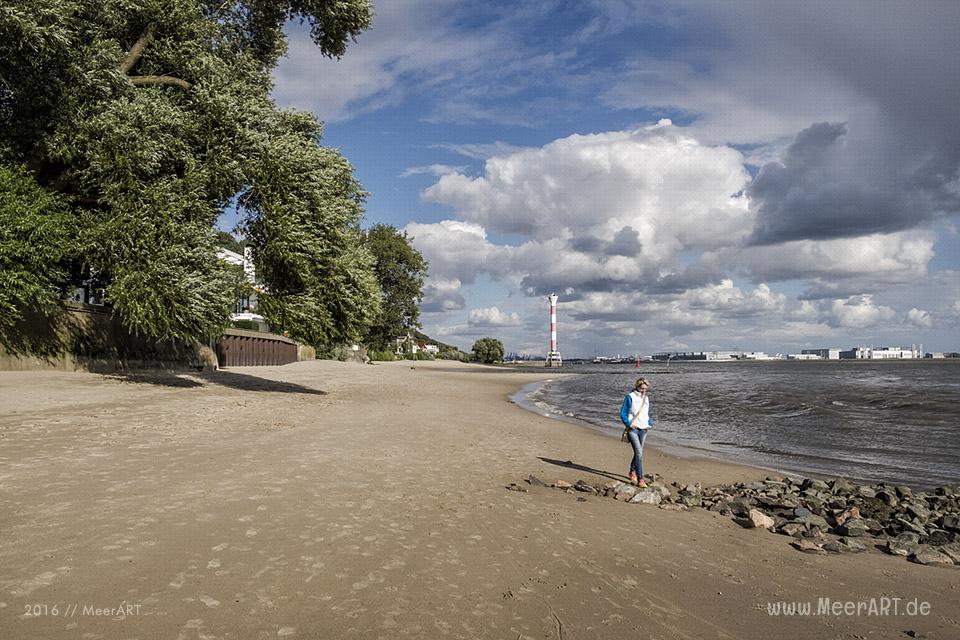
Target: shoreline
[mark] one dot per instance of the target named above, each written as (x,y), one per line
(336,500)
(522,398)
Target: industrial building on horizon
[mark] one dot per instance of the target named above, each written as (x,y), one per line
(856,353)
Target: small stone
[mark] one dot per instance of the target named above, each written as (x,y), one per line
(918,511)
(952,550)
(938,537)
(612,485)
(646,496)
(951,522)
(562,484)
(811,520)
(866,492)
(806,546)
(669,506)
(777,502)
(905,544)
(854,527)
(794,529)
(839,486)
(875,507)
(535,481)
(581,499)
(931,556)
(907,525)
(846,514)
(904,492)
(513,486)
(660,488)
(852,545)
(888,497)
(758,519)
(584,486)
(739,506)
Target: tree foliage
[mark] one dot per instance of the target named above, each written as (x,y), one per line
(488,350)
(35,230)
(143,119)
(400,270)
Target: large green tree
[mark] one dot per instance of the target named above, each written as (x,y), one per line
(400,270)
(488,350)
(141,120)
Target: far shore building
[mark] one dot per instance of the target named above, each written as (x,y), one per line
(882,353)
(824,354)
(713,356)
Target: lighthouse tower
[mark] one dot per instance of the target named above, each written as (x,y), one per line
(553,358)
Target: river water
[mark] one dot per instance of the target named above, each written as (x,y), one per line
(896,422)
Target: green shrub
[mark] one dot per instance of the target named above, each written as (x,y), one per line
(423,355)
(382,356)
(339,352)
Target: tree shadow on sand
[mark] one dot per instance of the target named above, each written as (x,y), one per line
(569,464)
(229,379)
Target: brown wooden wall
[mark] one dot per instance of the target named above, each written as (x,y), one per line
(239,348)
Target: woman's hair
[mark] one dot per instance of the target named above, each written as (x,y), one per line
(639,382)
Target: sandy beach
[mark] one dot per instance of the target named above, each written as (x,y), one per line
(334,500)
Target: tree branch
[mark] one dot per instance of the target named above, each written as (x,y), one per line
(155,81)
(137,49)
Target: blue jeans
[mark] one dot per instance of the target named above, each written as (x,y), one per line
(637,436)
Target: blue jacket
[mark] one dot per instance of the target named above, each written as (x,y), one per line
(627,411)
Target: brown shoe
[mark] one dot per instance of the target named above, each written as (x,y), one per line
(642,484)
(633,477)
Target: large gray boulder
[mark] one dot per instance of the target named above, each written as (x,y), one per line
(931,555)
(646,496)
(906,544)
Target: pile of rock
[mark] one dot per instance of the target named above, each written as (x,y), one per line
(823,517)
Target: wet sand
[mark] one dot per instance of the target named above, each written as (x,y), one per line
(335,500)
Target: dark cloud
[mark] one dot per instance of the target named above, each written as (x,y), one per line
(439,300)
(828,186)
(652,282)
(626,242)
(692,277)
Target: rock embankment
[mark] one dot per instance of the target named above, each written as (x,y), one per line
(823,517)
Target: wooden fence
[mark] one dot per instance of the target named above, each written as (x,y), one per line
(241,348)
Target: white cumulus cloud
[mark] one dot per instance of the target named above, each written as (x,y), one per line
(493,317)
(857,312)
(919,318)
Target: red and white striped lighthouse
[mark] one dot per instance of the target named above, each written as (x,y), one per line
(553,358)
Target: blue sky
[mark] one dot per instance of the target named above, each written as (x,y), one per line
(684,175)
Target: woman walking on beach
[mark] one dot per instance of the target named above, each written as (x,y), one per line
(635,415)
